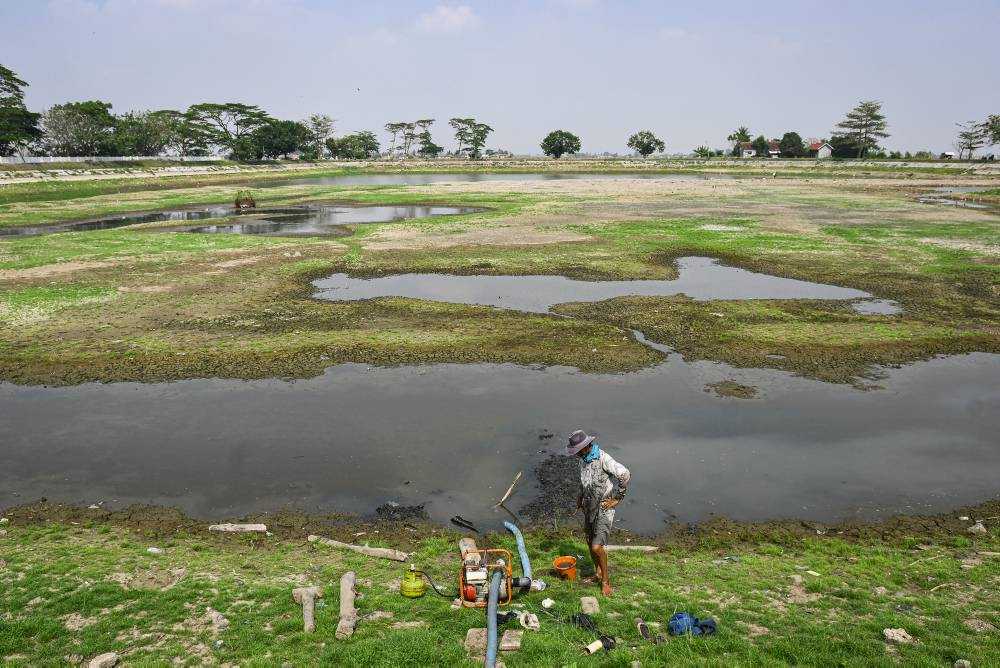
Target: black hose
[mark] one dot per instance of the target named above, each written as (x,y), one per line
(435,587)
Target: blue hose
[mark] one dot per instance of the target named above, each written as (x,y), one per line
(491,619)
(521,551)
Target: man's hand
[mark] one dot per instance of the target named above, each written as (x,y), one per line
(608,504)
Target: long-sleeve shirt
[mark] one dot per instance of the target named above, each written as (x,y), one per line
(596,481)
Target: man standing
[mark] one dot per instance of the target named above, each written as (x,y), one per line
(598,497)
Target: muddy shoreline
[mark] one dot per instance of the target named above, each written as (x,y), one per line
(291,524)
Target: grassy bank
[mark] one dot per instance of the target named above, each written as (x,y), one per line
(79,583)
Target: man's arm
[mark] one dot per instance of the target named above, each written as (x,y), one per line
(620,474)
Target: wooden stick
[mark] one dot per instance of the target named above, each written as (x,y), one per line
(238,528)
(348,613)
(943,584)
(377,552)
(509,490)
(937,556)
(631,548)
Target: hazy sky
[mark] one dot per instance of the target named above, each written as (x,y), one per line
(691,72)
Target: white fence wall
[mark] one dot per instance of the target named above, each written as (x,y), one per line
(32,159)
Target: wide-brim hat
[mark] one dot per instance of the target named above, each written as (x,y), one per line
(578,440)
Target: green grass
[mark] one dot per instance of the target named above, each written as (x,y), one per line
(151,609)
(180,307)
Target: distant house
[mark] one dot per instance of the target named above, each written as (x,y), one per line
(747,150)
(774,148)
(820,149)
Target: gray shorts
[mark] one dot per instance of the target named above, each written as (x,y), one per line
(598,526)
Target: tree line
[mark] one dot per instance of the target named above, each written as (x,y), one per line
(247,133)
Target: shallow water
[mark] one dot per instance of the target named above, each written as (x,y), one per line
(700,278)
(411,179)
(305,220)
(941,196)
(454,435)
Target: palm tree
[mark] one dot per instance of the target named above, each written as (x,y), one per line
(739,136)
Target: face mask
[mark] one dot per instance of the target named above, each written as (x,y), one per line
(594,454)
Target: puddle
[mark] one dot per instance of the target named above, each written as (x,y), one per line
(306,220)
(700,278)
(453,435)
(941,196)
(877,307)
(324,220)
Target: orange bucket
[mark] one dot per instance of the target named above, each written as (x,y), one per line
(565,567)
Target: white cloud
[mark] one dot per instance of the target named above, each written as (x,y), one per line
(448,18)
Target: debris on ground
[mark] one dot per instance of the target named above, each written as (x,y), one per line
(306,597)
(475,642)
(898,636)
(529,620)
(548,603)
(510,641)
(977,528)
(631,548)
(377,615)
(880,591)
(216,619)
(154,550)
(589,605)
(409,625)
(238,528)
(348,613)
(977,625)
(377,552)
(106,660)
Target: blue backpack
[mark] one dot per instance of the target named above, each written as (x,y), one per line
(683,623)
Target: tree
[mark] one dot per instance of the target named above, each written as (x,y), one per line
(226,125)
(463,131)
(792,145)
(843,146)
(559,142)
(703,152)
(18,126)
(11,88)
(320,128)
(761,146)
(865,125)
(278,139)
(185,137)
(645,143)
(739,136)
(356,146)
(477,140)
(971,136)
(427,147)
(79,128)
(393,129)
(144,132)
(992,128)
